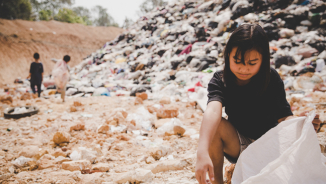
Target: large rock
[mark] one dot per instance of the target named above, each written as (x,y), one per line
(165,100)
(138,101)
(168,165)
(103,129)
(167,112)
(178,130)
(161,122)
(142,95)
(61,137)
(77,127)
(158,152)
(45,163)
(136,176)
(103,167)
(29,151)
(58,153)
(77,165)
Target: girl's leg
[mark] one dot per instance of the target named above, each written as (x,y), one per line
(226,140)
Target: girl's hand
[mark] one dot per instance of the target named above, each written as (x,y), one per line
(204,164)
(316,122)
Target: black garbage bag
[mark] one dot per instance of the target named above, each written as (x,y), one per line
(225,4)
(241,11)
(203,65)
(212,24)
(319,45)
(208,59)
(175,64)
(161,52)
(318,9)
(140,89)
(189,58)
(200,32)
(121,37)
(284,60)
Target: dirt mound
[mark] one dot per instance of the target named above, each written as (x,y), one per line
(20,39)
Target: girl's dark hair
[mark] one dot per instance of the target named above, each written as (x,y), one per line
(249,37)
(36,55)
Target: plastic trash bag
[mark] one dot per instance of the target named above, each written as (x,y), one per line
(60,74)
(288,153)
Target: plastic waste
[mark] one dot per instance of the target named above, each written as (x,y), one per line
(267,159)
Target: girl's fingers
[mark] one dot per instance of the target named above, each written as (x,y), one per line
(211,173)
(203,178)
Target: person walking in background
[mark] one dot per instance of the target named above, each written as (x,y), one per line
(61,76)
(36,74)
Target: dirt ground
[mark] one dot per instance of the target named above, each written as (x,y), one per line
(20,39)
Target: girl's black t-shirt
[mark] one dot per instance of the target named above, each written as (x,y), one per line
(251,114)
(36,71)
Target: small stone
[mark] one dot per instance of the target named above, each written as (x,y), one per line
(58,153)
(161,122)
(112,122)
(137,176)
(152,109)
(61,137)
(45,163)
(77,104)
(77,165)
(168,165)
(73,109)
(178,130)
(29,151)
(142,95)
(133,122)
(168,112)
(32,165)
(158,152)
(150,160)
(78,127)
(138,101)
(119,117)
(123,138)
(103,167)
(191,104)
(61,159)
(165,100)
(40,154)
(229,168)
(103,129)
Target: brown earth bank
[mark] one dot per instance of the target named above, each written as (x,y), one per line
(20,39)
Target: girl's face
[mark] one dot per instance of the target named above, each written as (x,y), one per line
(244,72)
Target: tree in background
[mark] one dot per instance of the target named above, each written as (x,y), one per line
(84,13)
(45,15)
(15,9)
(68,15)
(103,19)
(149,5)
(127,22)
(53,6)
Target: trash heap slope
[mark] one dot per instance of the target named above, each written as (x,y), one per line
(19,40)
(176,49)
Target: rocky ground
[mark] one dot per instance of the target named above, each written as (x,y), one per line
(107,140)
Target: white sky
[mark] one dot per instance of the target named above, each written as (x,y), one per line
(118,9)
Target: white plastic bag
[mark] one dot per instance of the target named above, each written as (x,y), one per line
(286,154)
(60,74)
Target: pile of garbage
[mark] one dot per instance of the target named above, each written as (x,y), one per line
(175,50)
(148,90)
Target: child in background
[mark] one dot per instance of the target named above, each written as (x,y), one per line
(36,74)
(61,75)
